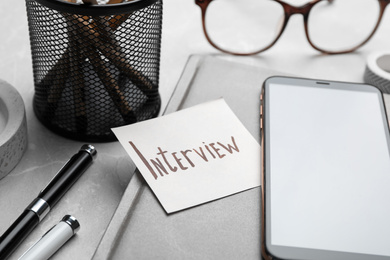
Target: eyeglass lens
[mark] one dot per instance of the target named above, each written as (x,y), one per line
(340,25)
(247,26)
(243,26)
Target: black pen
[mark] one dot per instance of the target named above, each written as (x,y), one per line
(46,200)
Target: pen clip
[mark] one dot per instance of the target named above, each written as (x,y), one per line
(55,175)
(47,232)
(87,148)
(36,242)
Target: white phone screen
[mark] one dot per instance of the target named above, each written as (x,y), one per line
(329,169)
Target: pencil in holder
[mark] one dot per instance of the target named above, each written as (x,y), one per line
(95,66)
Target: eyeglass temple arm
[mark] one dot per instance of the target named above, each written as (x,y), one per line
(329,1)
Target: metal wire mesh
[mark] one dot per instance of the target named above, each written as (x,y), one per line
(92,73)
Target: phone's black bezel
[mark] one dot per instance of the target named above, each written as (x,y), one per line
(280,252)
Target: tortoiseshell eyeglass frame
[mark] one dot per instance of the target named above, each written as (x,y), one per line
(290,10)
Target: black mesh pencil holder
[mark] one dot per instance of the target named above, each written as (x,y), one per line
(95,66)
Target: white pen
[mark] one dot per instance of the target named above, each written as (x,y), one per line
(52,240)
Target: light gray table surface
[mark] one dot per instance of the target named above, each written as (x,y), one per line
(94,198)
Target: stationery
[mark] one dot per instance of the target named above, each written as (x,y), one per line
(53,239)
(46,200)
(193,156)
(227,228)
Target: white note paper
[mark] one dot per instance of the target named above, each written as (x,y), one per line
(193,156)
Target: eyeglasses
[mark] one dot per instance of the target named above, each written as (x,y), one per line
(247,27)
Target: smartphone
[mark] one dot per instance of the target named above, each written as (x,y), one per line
(325,172)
